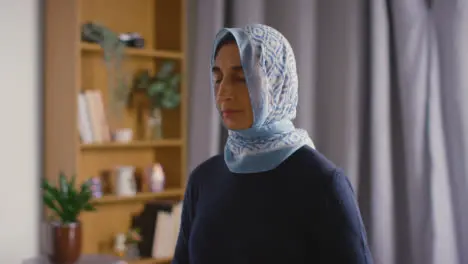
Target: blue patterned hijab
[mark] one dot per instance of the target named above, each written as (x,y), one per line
(270,71)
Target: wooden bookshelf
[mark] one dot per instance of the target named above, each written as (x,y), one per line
(72,66)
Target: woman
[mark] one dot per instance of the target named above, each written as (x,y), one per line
(270,198)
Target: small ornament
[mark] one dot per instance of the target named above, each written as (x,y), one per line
(119,245)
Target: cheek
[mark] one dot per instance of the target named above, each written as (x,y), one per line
(215,92)
(245,96)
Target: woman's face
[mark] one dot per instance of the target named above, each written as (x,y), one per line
(232,94)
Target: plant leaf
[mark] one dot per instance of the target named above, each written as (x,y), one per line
(63,184)
(49,202)
(85,187)
(85,195)
(165,70)
(72,204)
(156,88)
(47,187)
(143,80)
(171,99)
(71,183)
(54,194)
(89,207)
(174,81)
(63,197)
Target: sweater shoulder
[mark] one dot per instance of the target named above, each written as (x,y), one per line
(212,166)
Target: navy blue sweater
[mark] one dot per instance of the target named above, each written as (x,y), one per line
(304,211)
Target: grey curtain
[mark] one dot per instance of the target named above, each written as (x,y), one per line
(382,93)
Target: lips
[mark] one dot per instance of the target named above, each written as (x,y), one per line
(229,112)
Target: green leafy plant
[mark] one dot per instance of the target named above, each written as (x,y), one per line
(113,49)
(161,88)
(66,200)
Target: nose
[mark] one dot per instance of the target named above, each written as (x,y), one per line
(224,91)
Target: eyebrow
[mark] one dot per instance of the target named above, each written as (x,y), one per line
(235,68)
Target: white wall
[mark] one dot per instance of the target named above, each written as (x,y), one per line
(19,134)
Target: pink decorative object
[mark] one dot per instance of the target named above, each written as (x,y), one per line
(157,178)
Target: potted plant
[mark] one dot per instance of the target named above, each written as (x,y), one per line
(66,202)
(162,90)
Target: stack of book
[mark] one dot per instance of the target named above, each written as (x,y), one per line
(159,226)
(92,121)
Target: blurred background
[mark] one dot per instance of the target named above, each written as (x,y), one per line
(383,91)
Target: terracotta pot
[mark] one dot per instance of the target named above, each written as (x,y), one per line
(65,242)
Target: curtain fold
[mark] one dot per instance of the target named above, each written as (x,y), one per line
(376,168)
(411,37)
(206,18)
(451,17)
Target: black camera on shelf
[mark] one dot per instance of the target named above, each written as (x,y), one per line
(132,39)
(95,33)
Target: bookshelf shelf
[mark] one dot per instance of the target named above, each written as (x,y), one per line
(140,197)
(78,85)
(162,54)
(133,145)
(152,261)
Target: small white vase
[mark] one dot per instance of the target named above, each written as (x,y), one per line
(124,135)
(154,126)
(125,181)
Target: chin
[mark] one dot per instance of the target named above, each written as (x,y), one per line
(234,126)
